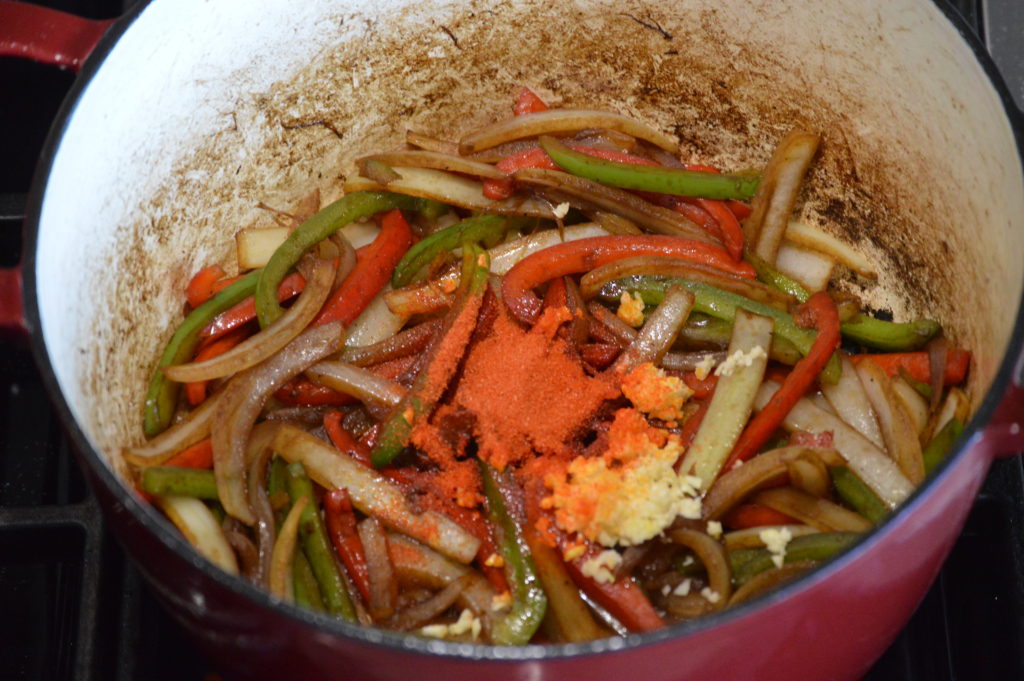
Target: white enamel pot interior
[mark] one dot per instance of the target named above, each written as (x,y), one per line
(194,112)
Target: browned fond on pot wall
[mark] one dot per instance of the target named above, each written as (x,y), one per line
(908,170)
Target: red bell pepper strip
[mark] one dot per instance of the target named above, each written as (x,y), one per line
(199,455)
(343,441)
(622,598)
(584,255)
(741,210)
(528,102)
(222,284)
(755,515)
(200,288)
(245,311)
(916,364)
(721,211)
(341,526)
(819,312)
(372,271)
(195,392)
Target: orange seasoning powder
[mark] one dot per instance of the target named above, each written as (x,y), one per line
(528,393)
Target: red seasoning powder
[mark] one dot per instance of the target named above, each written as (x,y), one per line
(527,394)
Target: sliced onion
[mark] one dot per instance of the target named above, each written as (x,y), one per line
(383,585)
(802,234)
(869,463)
(438,161)
(592,281)
(808,474)
(711,553)
(426,297)
(283,556)
(454,190)
(819,513)
(196,521)
(658,332)
(346,258)
(416,564)
(240,405)
(504,257)
(246,553)
(735,485)
(418,615)
(561,120)
(776,195)
(364,385)
(256,348)
(956,406)
(811,269)
(585,194)
(901,440)
(688,361)
(373,494)
(750,537)
(183,434)
(614,224)
(375,323)
(851,404)
(258,453)
(421,141)
(402,344)
(769,579)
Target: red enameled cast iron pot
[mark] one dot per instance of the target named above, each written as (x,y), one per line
(186,114)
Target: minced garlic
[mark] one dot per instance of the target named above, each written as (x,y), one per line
(631,309)
(739,359)
(467,623)
(561,210)
(683,588)
(775,540)
(714,529)
(494,560)
(710,595)
(501,601)
(600,567)
(704,367)
(630,493)
(655,393)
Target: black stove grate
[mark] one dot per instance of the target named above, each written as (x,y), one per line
(74,608)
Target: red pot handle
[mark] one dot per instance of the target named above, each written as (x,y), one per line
(46,35)
(1004,435)
(49,37)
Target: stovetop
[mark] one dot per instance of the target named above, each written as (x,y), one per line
(74,608)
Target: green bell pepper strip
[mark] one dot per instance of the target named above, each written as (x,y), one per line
(307,592)
(181,482)
(162,395)
(940,445)
(722,305)
(890,336)
(654,178)
(809,547)
(348,208)
(488,229)
(529,602)
(776,279)
(317,547)
(855,494)
(427,389)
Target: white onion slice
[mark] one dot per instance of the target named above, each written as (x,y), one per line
(196,521)
(437,161)
(561,120)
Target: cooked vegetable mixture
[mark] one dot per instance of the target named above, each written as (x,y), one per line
(552,382)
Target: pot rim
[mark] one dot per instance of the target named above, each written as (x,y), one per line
(165,532)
